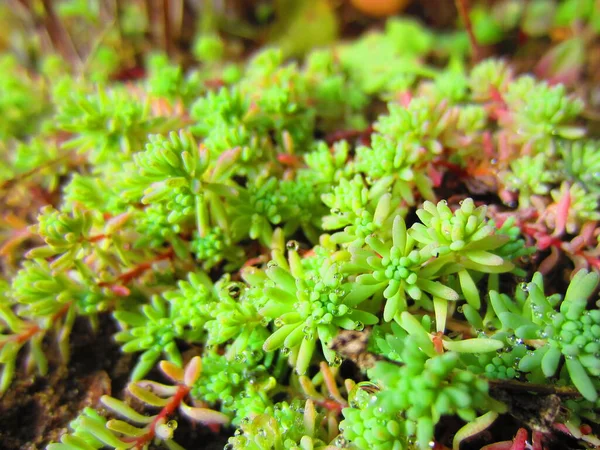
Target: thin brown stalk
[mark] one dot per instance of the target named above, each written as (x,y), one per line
(463,10)
(58,34)
(168,39)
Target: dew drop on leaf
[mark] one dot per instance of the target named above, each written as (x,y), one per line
(340,442)
(337,361)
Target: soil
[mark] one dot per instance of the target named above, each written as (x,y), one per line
(47,404)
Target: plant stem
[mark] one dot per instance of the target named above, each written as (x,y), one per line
(463,10)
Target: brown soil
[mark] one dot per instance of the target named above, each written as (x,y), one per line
(48,404)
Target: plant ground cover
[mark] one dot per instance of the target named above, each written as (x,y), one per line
(292,225)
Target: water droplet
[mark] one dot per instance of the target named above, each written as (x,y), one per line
(234,290)
(337,361)
(278,322)
(172,424)
(460,309)
(443,202)
(238,432)
(359,326)
(292,245)
(524,286)
(271,264)
(340,441)
(285,351)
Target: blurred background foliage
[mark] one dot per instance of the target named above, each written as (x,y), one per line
(109,39)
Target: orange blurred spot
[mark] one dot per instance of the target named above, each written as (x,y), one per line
(379,8)
(438,342)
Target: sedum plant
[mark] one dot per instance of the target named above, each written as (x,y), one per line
(424,390)
(569,332)
(308,301)
(356,249)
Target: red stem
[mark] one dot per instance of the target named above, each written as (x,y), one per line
(330,405)
(340,135)
(35,328)
(138,270)
(97,238)
(520,440)
(168,409)
(438,342)
(14,240)
(26,335)
(537,439)
(456,170)
(592,261)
